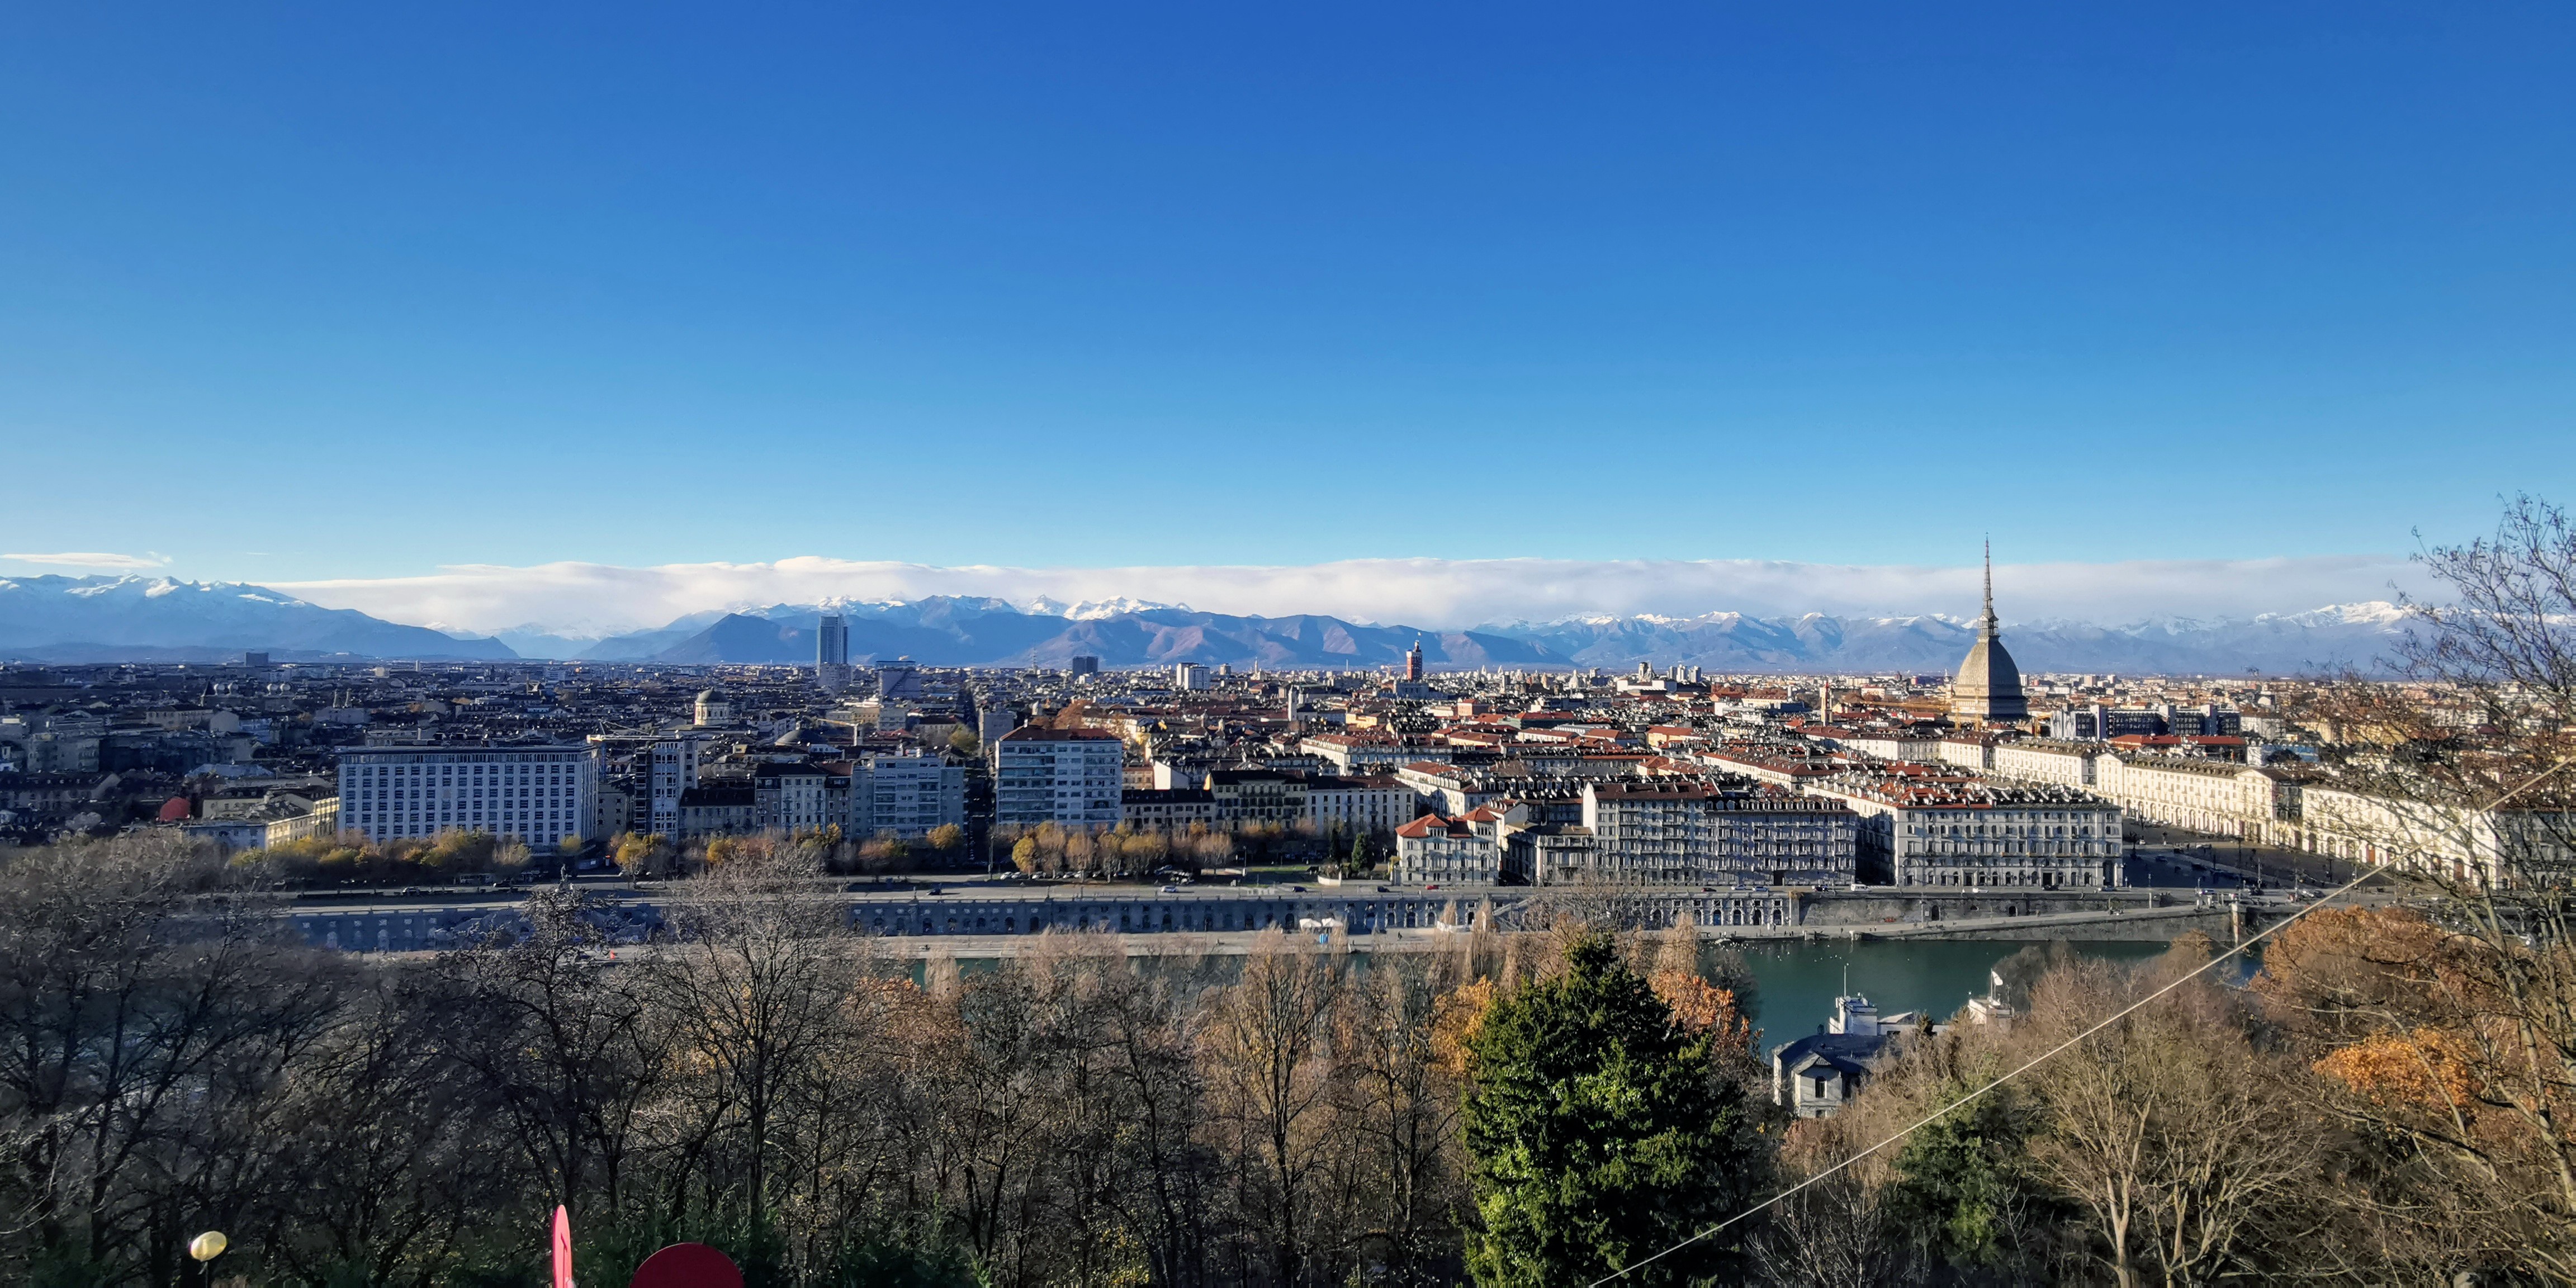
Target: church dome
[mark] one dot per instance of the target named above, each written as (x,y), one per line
(1989,673)
(1988,687)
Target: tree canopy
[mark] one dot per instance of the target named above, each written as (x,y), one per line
(1597,1132)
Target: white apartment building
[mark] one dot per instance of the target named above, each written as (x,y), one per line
(793,797)
(2216,796)
(2491,847)
(1688,833)
(1368,804)
(2046,760)
(674,771)
(1057,775)
(1447,789)
(1889,745)
(1350,753)
(537,794)
(1432,850)
(907,795)
(1947,831)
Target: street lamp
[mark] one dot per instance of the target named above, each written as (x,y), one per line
(206,1247)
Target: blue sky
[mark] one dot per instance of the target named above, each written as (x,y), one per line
(358,291)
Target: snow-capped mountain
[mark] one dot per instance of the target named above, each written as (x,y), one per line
(2331,638)
(131,618)
(1092,610)
(966,632)
(55,618)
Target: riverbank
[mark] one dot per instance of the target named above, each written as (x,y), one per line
(2130,925)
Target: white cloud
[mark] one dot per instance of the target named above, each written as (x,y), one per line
(92,559)
(596,599)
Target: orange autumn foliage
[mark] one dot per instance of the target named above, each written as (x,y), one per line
(1461,1013)
(2342,972)
(1700,1007)
(2423,1069)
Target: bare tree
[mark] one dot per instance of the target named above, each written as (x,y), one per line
(384,1165)
(562,1042)
(2164,1127)
(145,1008)
(1834,1234)
(1398,1109)
(756,981)
(1267,1045)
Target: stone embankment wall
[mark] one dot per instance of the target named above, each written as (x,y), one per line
(1355,913)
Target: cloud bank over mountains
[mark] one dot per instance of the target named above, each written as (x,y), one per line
(592,601)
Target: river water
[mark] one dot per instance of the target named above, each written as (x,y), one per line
(1796,982)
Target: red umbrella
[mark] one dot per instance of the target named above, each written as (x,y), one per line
(687,1265)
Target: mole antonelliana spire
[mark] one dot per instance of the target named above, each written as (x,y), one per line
(1990,587)
(1988,689)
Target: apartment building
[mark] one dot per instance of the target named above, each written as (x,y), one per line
(1930,828)
(1366,752)
(2489,847)
(2048,760)
(797,796)
(1257,795)
(1887,744)
(1646,832)
(907,795)
(674,770)
(537,794)
(1433,850)
(1365,804)
(2216,796)
(1172,809)
(1057,775)
(721,808)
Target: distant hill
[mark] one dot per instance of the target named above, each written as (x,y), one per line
(947,631)
(137,619)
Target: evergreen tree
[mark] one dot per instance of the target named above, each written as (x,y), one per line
(1598,1134)
(1962,1190)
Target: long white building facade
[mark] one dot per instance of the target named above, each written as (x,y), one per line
(536,794)
(1927,828)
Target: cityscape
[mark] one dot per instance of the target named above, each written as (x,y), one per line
(1478,780)
(1149,647)
(430,813)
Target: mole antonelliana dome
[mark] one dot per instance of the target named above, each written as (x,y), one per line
(1988,690)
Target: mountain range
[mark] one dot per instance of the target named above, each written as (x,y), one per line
(62,619)
(160,619)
